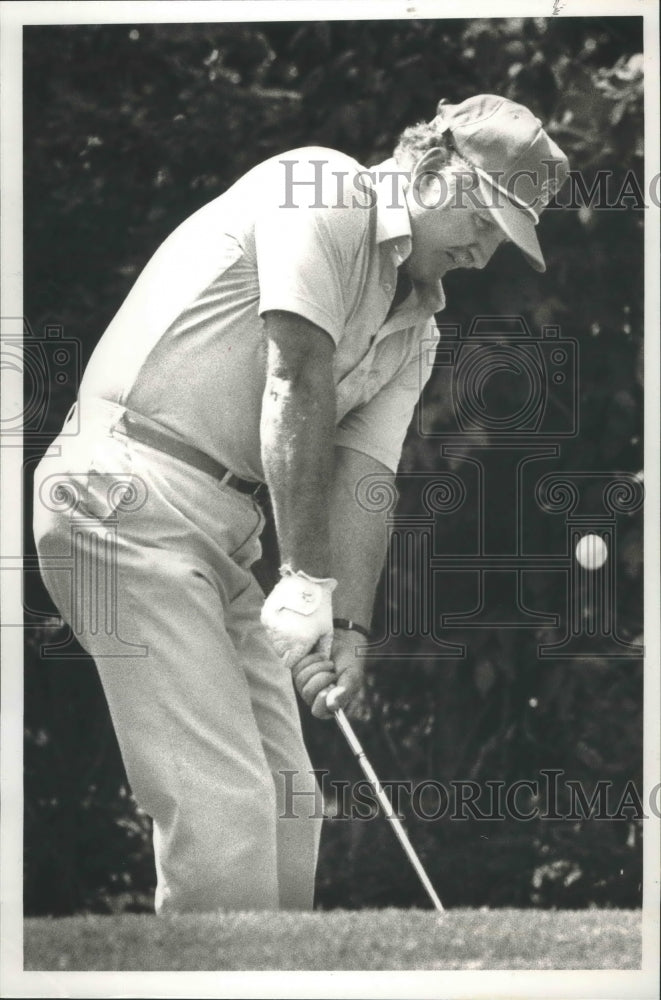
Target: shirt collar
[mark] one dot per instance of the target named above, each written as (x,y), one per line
(393,226)
(392,216)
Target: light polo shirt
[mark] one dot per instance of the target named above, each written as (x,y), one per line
(309,232)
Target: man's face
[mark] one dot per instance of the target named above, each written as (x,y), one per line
(449,229)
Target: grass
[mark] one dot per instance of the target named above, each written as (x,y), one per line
(377,939)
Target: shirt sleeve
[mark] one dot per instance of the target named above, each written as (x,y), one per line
(378,427)
(306,254)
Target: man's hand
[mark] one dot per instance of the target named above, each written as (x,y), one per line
(348,692)
(337,682)
(314,675)
(298,615)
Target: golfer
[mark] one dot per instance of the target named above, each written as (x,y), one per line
(272,341)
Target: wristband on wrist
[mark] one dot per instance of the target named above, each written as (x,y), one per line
(350,626)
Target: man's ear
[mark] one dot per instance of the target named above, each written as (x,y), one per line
(433,159)
(428,179)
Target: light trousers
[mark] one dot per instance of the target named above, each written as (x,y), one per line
(148,560)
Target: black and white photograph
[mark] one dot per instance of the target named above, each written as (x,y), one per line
(330,496)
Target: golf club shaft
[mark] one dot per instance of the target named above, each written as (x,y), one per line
(386,805)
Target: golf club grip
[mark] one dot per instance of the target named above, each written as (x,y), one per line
(386,805)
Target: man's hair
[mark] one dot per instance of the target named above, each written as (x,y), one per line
(417,139)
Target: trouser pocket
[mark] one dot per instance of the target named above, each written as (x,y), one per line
(89,478)
(81,488)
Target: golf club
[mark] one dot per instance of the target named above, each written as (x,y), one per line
(386,805)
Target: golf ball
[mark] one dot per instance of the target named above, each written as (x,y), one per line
(591,552)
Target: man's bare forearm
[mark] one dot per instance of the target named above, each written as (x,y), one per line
(359,538)
(297,432)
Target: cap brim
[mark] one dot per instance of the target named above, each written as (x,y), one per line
(515,223)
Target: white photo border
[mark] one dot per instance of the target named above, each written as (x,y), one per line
(14,981)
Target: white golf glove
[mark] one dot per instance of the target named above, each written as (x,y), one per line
(298,614)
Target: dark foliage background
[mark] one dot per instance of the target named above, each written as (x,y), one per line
(130,128)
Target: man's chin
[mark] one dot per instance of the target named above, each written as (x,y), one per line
(424,276)
(431,279)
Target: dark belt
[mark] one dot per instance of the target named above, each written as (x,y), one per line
(139,430)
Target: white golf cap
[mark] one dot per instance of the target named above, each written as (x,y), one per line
(518,166)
